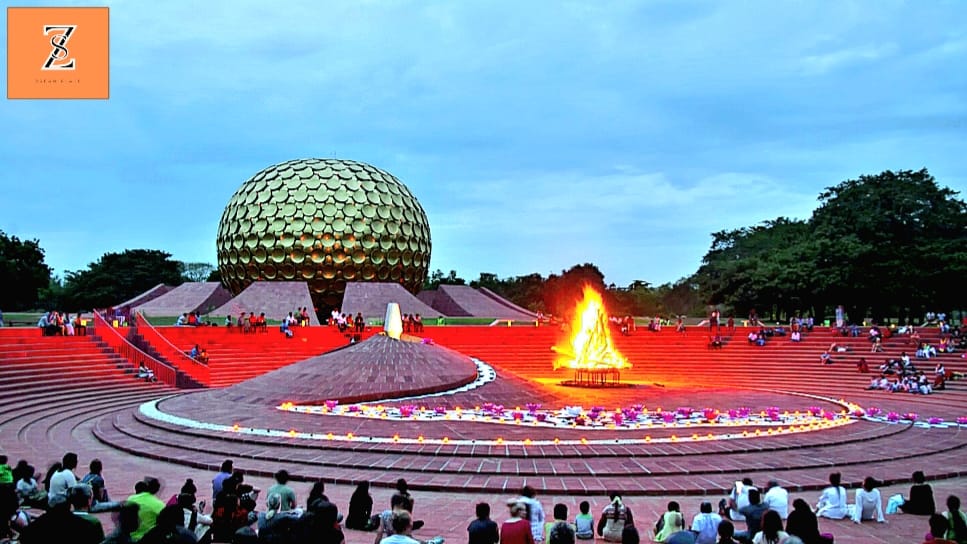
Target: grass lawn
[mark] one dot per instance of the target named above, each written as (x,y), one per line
(166,321)
(22,319)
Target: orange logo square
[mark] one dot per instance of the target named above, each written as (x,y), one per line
(58,52)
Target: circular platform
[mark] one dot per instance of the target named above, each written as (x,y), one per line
(385,409)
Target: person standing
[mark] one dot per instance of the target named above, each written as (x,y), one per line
(535,512)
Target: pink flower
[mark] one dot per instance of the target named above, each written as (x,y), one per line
(533,407)
(872,411)
(440,410)
(518,416)
(935,420)
(541,416)
(912,416)
(668,417)
(331,404)
(962,420)
(893,416)
(618,418)
(815,410)
(354,408)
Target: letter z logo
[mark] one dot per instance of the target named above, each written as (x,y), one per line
(59,58)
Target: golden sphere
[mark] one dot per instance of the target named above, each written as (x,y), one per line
(325,222)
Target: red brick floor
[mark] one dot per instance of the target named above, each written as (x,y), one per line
(43,431)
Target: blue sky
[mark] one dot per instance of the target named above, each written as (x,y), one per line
(537,135)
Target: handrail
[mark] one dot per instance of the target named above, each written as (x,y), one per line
(196,370)
(124,348)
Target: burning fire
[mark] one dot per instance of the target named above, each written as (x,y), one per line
(591,345)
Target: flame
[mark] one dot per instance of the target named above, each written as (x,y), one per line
(590,344)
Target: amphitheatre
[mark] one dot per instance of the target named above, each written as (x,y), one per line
(463,412)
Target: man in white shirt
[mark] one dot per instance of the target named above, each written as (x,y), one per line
(529,497)
(739,498)
(63,479)
(402,527)
(777,498)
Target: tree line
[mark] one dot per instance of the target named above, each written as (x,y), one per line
(892,244)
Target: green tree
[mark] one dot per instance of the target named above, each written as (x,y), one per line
(769,267)
(892,244)
(681,297)
(54,295)
(23,272)
(117,277)
(561,293)
(437,278)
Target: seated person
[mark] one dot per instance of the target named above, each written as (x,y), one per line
(42,323)
(879,383)
(194,352)
(753,337)
(203,357)
(253,322)
(192,320)
(228,321)
(890,367)
(862,366)
(796,336)
(80,326)
(182,320)
(923,385)
(825,358)
(284,329)
(715,342)
(877,345)
(260,322)
(145,373)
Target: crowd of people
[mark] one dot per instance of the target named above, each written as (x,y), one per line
(240,514)
(191,319)
(55,323)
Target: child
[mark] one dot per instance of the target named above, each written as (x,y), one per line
(483,530)
(584,522)
(560,516)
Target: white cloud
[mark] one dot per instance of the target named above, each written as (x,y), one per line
(842,58)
